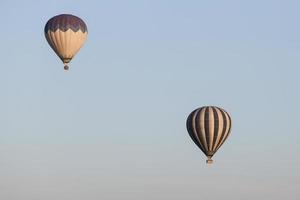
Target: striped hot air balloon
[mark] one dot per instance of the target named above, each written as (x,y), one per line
(66,34)
(209,127)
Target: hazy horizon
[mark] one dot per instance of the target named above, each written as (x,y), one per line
(113,126)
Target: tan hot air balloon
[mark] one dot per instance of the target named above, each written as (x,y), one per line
(66,34)
(209,127)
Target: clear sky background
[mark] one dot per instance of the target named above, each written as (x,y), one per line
(113,127)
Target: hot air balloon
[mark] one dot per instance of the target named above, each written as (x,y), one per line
(65,34)
(209,127)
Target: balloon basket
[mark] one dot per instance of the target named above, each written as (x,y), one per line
(209,161)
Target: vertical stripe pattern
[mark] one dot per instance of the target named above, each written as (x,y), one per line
(209,127)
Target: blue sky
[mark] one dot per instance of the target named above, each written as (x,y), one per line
(114,125)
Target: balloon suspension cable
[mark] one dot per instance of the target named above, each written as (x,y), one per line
(209,160)
(66,67)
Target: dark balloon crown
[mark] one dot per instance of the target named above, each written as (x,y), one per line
(65,22)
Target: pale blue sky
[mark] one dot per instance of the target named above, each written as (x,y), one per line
(113,127)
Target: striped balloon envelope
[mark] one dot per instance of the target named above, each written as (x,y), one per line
(65,34)
(209,127)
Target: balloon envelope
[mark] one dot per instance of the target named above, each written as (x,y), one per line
(209,127)
(65,34)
